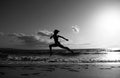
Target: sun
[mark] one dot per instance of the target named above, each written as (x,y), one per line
(108,21)
(106,25)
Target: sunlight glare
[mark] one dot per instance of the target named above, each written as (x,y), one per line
(107,22)
(112,56)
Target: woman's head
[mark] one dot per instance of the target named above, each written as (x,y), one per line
(56,31)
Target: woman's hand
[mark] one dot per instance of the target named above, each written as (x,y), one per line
(67,40)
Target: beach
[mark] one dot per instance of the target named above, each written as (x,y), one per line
(85,63)
(91,70)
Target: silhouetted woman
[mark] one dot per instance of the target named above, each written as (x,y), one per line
(57,43)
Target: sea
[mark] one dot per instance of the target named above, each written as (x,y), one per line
(80,56)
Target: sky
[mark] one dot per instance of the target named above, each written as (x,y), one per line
(28,24)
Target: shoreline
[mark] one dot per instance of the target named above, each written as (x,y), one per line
(60,64)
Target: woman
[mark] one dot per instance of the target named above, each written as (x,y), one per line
(55,36)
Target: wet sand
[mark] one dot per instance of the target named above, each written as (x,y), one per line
(90,70)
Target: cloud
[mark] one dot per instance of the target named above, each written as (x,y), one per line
(45,33)
(38,39)
(15,34)
(33,40)
(75,28)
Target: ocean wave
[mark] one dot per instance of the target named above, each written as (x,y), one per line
(13,59)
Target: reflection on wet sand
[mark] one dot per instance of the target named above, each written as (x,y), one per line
(43,70)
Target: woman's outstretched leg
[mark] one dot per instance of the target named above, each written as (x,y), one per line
(50,47)
(66,48)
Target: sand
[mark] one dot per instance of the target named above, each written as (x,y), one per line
(90,70)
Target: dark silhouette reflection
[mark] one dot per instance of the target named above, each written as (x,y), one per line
(55,36)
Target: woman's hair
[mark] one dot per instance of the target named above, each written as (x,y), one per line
(56,31)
